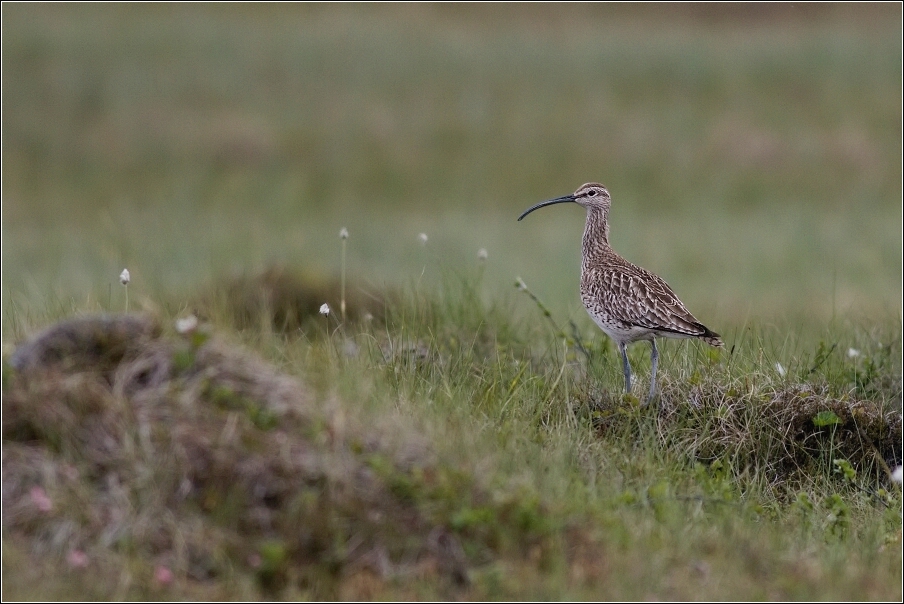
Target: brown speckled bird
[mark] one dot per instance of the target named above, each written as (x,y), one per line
(627,302)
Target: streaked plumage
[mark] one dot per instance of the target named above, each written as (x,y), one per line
(627,302)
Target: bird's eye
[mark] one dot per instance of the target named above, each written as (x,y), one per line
(591,194)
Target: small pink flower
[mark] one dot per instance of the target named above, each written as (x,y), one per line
(70,472)
(254,560)
(77,559)
(40,499)
(163,575)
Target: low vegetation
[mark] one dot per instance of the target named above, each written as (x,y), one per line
(449,452)
(316,379)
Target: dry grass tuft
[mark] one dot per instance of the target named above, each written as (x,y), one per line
(188,452)
(99,342)
(786,431)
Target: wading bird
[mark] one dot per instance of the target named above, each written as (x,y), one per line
(627,302)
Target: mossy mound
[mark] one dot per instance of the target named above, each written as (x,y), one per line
(787,431)
(121,439)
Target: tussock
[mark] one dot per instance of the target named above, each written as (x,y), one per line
(196,454)
(286,300)
(770,428)
(98,343)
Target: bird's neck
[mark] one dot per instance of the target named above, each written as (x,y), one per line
(596,232)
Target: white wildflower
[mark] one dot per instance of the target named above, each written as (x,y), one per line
(187,325)
(343,233)
(422,238)
(325,309)
(780,369)
(898,475)
(482,254)
(124,277)
(853,353)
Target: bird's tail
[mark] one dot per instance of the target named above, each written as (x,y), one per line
(711,337)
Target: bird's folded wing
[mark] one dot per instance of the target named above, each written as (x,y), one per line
(638,297)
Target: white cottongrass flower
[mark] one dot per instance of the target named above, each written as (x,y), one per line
(124,278)
(898,475)
(325,309)
(520,284)
(422,238)
(482,254)
(780,369)
(853,353)
(187,325)
(343,233)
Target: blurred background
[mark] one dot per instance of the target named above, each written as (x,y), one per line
(753,152)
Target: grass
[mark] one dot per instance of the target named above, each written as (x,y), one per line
(449,440)
(776,142)
(444,455)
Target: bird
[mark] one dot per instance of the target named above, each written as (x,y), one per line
(629,303)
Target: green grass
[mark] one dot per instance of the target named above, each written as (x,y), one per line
(755,166)
(449,422)
(456,443)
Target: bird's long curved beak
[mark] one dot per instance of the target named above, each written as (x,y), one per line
(548,202)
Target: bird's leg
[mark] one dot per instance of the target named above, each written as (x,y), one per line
(654,358)
(627,366)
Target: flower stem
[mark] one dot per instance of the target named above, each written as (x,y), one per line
(342,297)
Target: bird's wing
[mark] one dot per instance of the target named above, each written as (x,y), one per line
(636,296)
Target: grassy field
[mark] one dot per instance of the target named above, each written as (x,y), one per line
(448,440)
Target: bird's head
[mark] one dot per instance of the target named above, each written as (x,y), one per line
(590,195)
